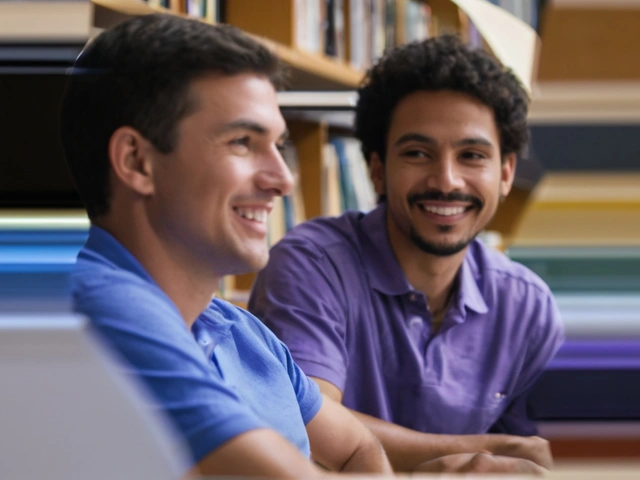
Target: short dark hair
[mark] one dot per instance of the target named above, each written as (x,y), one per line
(440,63)
(138,74)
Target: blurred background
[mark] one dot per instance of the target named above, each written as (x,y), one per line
(573,216)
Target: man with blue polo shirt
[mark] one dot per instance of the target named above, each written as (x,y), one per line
(172,130)
(209,406)
(400,313)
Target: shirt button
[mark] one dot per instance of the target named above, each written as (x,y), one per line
(413,297)
(415,321)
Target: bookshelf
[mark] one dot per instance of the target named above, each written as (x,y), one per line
(323,79)
(309,70)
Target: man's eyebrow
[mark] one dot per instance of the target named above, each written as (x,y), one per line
(250,125)
(415,137)
(470,141)
(243,124)
(464,142)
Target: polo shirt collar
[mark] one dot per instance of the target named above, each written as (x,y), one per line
(383,269)
(102,243)
(386,275)
(469,294)
(109,250)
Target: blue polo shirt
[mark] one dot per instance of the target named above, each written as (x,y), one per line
(334,292)
(226,376)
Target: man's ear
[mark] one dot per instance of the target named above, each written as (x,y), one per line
(508,171)
(376,170)
(130,155)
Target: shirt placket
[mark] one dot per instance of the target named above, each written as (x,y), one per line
(419,321)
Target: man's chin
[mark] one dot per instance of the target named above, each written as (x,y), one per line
(246,263)
(440,249)
(257,261)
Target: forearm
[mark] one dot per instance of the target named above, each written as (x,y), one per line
(407,448)
(343,444)
(369,457)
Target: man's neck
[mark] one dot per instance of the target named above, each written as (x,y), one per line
(433,275)
(190,287)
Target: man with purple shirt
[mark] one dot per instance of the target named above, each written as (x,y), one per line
(401,313)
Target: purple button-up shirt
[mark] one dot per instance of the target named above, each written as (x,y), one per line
(334,292)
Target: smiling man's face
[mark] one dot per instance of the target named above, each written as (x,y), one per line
(214,192)
(443,174)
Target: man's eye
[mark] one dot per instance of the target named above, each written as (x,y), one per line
(282,147)
(415,154)
(243,141)
(473,156)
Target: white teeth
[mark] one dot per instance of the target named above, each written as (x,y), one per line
(255,214)
(445,211)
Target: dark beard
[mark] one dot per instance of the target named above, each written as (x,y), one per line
(439,250)
(444,250)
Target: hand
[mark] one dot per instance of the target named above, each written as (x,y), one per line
(535,449)
(480,463)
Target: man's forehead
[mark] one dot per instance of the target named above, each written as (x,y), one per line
(239,105)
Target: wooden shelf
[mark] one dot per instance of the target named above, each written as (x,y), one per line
(131,7)
(62,22)
(309,71)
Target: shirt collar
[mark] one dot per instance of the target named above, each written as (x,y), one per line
(102,243)
(469,294)
(386,275)
(210,326)
(383,269)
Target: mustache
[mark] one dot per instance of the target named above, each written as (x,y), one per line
(414,198)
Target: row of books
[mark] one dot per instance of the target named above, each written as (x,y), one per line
(345,185)
(350,30)
(209,10)
(376,26)
(353,31)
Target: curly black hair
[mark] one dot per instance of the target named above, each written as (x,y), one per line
(441,63)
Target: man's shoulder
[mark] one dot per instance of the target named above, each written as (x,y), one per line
(101,289)
(496,267)
(243,322)
(324,233)
(521,293)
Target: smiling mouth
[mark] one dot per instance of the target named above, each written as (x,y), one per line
(258,215)
(445,211)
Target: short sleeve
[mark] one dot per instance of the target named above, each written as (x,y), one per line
(307,391)
(148,334)
(298,296)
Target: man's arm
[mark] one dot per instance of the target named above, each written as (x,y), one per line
(341,443)
(408,448)
(258,453)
